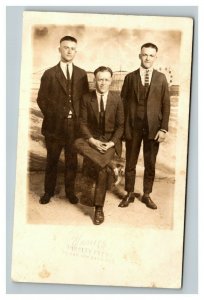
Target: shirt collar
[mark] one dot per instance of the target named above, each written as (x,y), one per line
(143,70)
(62,63)
(104,95)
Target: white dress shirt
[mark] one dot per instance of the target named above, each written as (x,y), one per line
(105,97)
(143,72)
(63,66)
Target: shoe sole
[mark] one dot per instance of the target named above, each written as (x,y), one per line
(130,201)
(149,206)
(42,202)
(98,223)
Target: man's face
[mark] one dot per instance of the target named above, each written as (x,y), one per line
(103,81)
(147,57)
(67,50)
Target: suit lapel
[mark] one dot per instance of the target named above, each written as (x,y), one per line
(94,105)
(153,83)
(74,79)
(109,105)
(61,78)
(136,78)
(136,83)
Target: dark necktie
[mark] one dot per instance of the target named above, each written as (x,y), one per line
(69,104)
(102,115)
(147,78)
(68,75)
(102,105)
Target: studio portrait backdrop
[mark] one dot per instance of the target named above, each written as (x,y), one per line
(119,49)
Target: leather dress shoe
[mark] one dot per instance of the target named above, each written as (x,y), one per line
(127,200)
(72,198)
(98,216)
(148,201)
(45,198)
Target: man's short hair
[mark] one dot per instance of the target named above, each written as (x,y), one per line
(68,38)
(103,69)
(150,45)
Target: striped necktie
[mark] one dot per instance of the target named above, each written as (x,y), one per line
(147,78)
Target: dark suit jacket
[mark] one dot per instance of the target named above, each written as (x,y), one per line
(114,119)
(52,97)
(158,103)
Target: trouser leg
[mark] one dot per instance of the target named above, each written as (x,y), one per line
(101,187)
(54,149)
(150,151)
(70,157)
(132,153)
(70,170)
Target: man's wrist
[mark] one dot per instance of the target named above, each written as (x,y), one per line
(112,143)
(90,140)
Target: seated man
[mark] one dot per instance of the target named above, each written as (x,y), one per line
(101,125)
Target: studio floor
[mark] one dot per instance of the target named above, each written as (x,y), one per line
(60,212)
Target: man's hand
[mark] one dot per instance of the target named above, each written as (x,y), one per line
(100,146)
(97,145)
(160,136)
(108,145)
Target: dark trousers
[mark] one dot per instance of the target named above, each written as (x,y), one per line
(150,150)
(101,187)
(54,148)
(100,162)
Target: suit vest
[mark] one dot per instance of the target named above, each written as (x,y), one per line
(141,111)
(69,109)
(141,122)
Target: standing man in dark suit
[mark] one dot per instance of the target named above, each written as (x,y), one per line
(59,98)
(102,125)
(147,107)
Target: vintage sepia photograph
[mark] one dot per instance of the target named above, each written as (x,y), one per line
(102,149)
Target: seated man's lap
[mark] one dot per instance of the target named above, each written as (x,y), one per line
(100,159)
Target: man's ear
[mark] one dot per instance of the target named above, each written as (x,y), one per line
(140,56)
